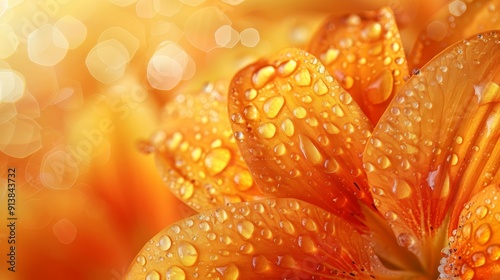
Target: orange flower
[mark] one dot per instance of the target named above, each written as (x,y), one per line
(368,173)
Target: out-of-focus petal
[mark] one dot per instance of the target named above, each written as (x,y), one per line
(269,239)
(438,142)
(196,152)
(474,249)
(300,133)
(452,23)
(365,53)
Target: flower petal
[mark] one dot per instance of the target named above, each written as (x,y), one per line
(300,133)
(270,239)
(452,23)
(438,142)
(474,248)
(196,152)
(365,53)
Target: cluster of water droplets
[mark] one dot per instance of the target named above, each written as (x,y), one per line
(230,241)
(471,246)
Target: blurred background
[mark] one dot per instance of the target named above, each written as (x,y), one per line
(82,84)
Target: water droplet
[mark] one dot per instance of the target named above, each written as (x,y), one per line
(331,165)
(260,263)
(309,150)
(287,226)
(380,89)
(483,234)
(345,98)
(466,272)
(453,159)
(250,94)
(273,106)
(175,273)
(221,215)
(493,252)
(383,162)
(347,82)
(165,243)
(187,253)
(391,216)
(299,112)
(487,94)
(401,189)
(372,31)
(230,272)
(266,233)
(217,160)
(331,128)
(303,77)
(337,110)
(246,229)
(243,180)
(250,112)
(287,127)
(478,259)
(262,76)
(246,249)
(153,275)
(287,68)
(406,240)
(481,212)
(307,244)
(141,260)
(320,88)
(280,149)
(267,130)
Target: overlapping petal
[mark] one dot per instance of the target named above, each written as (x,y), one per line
(269,239)
(300,133)
(454,22)
(365,53)
(474,249)
(196,152)
(437,143)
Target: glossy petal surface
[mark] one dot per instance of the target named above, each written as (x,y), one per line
(452,23)
(300,133)
(196,152)
(365,53)
(437,143)
(474,249)
(269,239)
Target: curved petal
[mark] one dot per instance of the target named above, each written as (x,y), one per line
(196,152)
(454,22)
(270,239)
(300,133)
(474,247)
(365,53)
(438,142)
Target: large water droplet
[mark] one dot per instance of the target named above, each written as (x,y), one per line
(287,68)
(262,76)
(187,253)
(153,275)
(246,229)
(217,160)
(287,127)
(309,150)
(141,260)
(303,77)
(267,130)
(273,106)
(320,88)
(165,243)
(483,234)
(380,89)
(307,244)
(260,263)
(175,273)
(401,189)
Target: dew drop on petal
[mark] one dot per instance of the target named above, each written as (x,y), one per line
(165,243)
(187,253)
(175,273)
(217,160)
(246,229)
(483,234)
(260,263)
(153,275)
(273,106)
(262,76)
